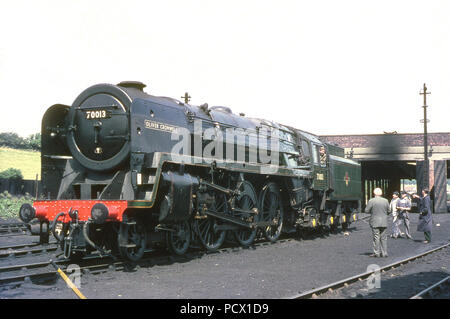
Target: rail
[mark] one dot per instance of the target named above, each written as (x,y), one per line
(345,282)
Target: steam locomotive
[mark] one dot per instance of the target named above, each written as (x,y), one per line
(124,171)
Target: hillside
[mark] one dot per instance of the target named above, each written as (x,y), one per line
(29,162)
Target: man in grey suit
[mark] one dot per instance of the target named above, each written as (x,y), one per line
(379,209)
(403,209)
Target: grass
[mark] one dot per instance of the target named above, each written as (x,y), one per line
(10,205)
(29,162)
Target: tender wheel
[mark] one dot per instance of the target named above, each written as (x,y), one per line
(345,225)
(335,225)
(271,207)
(132,240)
(348,215)
(179,240)
(206,229)
(247,201)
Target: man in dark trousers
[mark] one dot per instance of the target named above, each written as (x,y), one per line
(425,217)
(379,209)
(403,209)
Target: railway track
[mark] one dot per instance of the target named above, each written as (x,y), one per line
(433,290)
(13,229)
(18,273)
(15,275)
(24,272)
(315,293)
(27,249)
(94,263)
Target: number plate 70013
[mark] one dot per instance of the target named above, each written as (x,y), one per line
(97,114)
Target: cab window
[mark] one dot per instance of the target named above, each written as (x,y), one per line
(305,149)
(305,153)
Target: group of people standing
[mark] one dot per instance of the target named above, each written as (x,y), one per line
(380,208)
(400,208)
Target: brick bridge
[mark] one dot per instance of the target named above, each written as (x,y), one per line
(387,158)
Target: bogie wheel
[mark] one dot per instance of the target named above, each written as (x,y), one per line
(179,240)
(271,210)
(206,228)
(132,240)
(246,201)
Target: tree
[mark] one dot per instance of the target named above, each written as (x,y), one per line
(11,173)
(34,141)
(13,140)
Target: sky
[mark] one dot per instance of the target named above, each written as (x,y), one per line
(327,67)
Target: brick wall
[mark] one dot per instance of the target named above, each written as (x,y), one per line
(434,139)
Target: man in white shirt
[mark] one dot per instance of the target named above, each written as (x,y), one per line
(403,208)
(395,222)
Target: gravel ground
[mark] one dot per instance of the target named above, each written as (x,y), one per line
(274,271)
(403,282)
(19,240)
